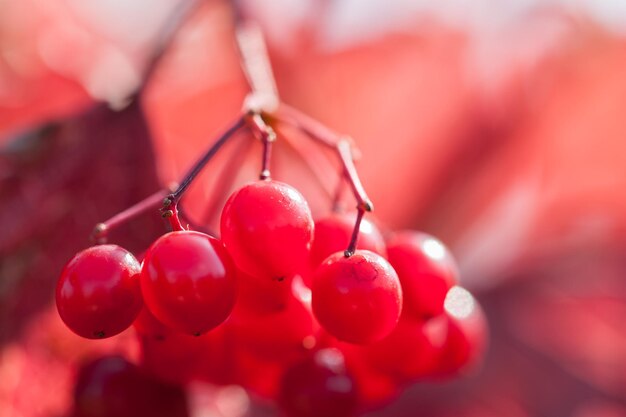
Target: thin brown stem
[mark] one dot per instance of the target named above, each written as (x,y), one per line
(171,214)
(200,164)
(318,163)
(267,136)
(168,202)
(308,125)
(344,150)
(338,195)
(226,179)
(101,230)
(257,69)
(267,154)
(326,137)
(355,234)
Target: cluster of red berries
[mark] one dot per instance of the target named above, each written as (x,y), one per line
(280,307)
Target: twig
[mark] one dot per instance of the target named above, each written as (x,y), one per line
(326,137)
(226,178)
(318,163)
(355,234)
(257,69)
(101,230)
(267,136)
(197,167)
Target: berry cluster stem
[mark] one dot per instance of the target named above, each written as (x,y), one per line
(267,136)
(355,233)
(101,230)
(257,68)
(317,162)
(168,202)
(264,100)
(260,105)
(227,177)
(208,155)
(170,212)
(326,137)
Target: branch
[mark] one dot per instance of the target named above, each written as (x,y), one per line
(257,69)
(208,155)
(101,230)
(326,137)
(267,136)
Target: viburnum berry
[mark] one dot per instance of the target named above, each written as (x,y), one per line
(181,358)
(111,386)
(98,294)
(188,281)
(267,228)
(376,388)
(333,234)
(319,386)
(467,333)
(411,351)
(278,335)
(257,297)
(426,270)
(357,299)
(257,374)
(149,326)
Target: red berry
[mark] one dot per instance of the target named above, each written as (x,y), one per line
(149,326)
(333,233)
(280,335)
(376,388)
(467,333)
(257,374)
(319,386)
(268,229)
(180,358)
(411,351)
(188,281)
(257,297)
(98,294)
(357,299)
(426,270)
(112,387)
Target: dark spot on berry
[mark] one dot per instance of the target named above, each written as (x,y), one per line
(99,334)
(196,334)
(356,270)
(279,279)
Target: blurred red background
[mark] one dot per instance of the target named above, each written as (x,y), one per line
(497,127)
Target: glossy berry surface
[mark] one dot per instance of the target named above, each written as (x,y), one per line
(268,229)
(149,326)
(376,388)
(426,270)
(256,297)
(281,334)
(333,233)
(357,299)
(98,294)
(110,386)
(319,386)
(467,333)
(180,358)
(411,351)
(188,281)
